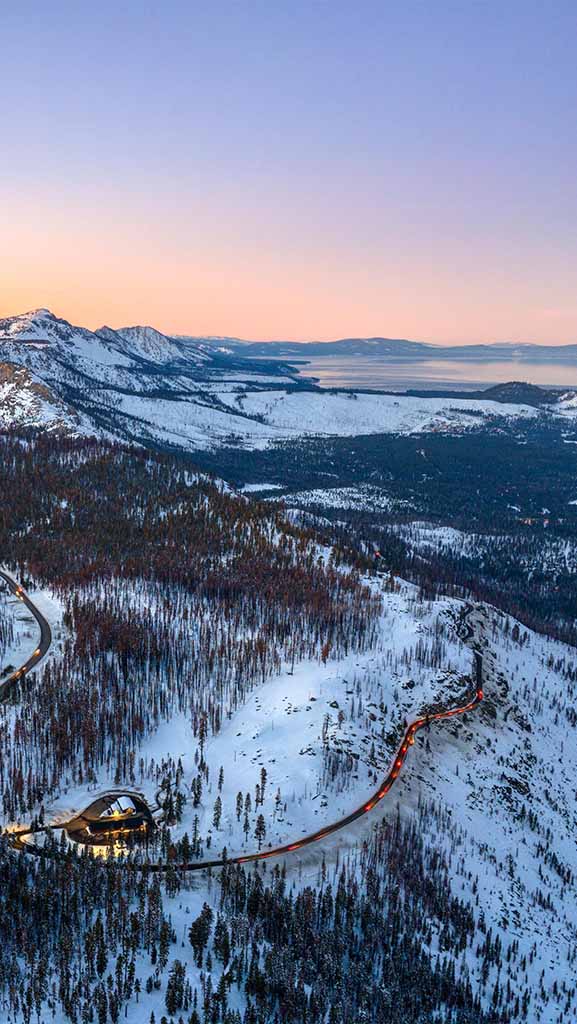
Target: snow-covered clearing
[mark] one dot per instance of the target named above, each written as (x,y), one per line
(554,554)
(365,497)
(346,414)
(255,488)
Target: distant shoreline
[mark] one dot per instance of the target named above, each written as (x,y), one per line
(397,376)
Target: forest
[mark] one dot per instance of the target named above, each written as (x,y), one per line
(511,485)
(167,579)
(470,479)
(258,950)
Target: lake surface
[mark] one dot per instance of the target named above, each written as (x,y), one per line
(434,373)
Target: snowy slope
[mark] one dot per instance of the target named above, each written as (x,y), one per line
(499,794)
(350,414)
(494,790)
(27,402)
(214,416)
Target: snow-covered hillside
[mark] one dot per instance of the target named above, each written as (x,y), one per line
(493,790)
(214,417)
(252,688)
(346,414)
(26,402)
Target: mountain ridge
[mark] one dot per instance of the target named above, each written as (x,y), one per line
(402,349)
(143,336)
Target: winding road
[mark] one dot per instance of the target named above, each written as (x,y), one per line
(9,684)
(469,704)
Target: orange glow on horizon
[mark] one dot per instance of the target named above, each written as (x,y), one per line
(95,270)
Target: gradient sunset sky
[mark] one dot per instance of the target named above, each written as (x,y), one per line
(293,170)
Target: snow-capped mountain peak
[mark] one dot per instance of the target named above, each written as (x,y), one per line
(30,326)
(40,340)
(92,373)
(148,343)
(40,314)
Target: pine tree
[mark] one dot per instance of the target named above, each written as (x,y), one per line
(217,814)
(260,830)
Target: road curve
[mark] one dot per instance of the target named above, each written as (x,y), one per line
(408,740)
(469,703)
(43,646)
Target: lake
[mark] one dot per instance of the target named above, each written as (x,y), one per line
(434,373)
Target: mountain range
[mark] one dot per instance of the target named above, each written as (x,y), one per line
(395,349)
(139,385)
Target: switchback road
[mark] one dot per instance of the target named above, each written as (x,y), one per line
(469,703)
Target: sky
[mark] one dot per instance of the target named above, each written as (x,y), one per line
(293,170)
